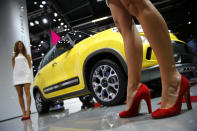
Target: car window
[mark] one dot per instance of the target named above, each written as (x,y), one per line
(58,52)
(78,36)
(48,57)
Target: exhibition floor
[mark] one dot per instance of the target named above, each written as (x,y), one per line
(72,118)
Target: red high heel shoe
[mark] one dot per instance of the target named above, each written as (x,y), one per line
(176,109)
(142,93)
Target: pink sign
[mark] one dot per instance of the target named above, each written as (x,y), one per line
(55,37)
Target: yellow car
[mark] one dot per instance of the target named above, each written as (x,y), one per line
(81,64)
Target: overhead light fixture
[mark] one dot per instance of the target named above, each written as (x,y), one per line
(42,54)
(54,20)
(59,19)
(189,22)
(31,24)
(100,19)
(41,41)
(41,6)
(35,3)
(39,45)
(62,23)
(55,14)
(36,22)
(44,2)
(58,27)
(44,20)
(65,26)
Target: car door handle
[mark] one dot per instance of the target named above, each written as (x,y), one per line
(55,63)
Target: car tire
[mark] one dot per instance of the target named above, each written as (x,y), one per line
(108,83)
(41,105)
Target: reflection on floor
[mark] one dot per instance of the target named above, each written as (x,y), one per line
(72,118)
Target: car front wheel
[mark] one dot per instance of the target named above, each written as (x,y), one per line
(108,83)
(41,105)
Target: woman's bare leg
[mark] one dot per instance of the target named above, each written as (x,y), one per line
(132,45)
(157,34)
(28,97)
(19,89)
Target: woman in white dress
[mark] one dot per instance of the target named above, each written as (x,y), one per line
(21,63)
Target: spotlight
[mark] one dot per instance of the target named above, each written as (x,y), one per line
(44,20)
(35,3)
(62,23)
(44,2)
(189,22)
(55,14)
(65,26)
(41,6)
(41,41)
(31,24)
(39,45)
(36,22)
(59,19)
(42,54)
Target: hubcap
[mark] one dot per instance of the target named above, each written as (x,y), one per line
(105,83)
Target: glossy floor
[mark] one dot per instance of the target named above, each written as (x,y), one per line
(72,118)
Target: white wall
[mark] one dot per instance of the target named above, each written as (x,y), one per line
(13,27)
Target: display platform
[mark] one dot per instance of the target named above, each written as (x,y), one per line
(72,118)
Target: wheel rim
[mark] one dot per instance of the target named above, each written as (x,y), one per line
(38,101)
(105,83)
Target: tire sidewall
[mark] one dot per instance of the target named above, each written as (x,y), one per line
(122,82)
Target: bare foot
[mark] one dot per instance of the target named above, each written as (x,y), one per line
(170,93)
(131,91)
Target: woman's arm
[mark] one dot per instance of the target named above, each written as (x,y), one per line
(13,62)
(29,61)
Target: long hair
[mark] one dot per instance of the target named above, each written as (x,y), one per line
(17,51)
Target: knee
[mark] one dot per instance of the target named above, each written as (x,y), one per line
(123,27)
(20,95)
(134,7)
(116,21)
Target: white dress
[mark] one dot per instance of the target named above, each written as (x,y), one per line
(21,72)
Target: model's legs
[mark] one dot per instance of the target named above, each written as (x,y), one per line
(157,34)
(132,45)
(19,89)
(28,97)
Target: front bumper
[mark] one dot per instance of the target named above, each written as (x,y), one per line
(153,73)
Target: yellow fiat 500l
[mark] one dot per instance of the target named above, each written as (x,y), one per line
(81,64)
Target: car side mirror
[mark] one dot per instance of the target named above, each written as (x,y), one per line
(64,44)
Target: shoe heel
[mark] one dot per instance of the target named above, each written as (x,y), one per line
(188,101)
(148,102)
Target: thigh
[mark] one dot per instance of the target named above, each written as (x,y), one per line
(27,88)
(19,89)
(121,16)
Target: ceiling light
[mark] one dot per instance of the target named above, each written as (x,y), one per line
(59,19)
(42,54)
(41,6)
(100,19)
(54,20)
(31,24)
(41,41)
(55,14)
(44,2)
(36,22)
(189,22)
(44,20)
(65,26)
(39,45)
(62,23)
(58,27)
(35,3)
